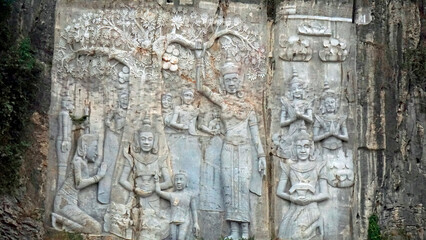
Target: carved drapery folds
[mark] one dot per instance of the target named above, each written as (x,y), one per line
(135,73)
(166,122)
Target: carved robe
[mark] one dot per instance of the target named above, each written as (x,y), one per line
(236,161)
(302,222)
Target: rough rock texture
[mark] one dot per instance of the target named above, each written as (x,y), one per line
(391,118)
(21,214)
(391,108)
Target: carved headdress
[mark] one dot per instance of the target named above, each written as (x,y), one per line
(230,67)
(83,142)
(146,127)
(328,93)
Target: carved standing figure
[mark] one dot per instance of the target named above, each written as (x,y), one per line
(67,214)
(308,186)
(183,204)
(241,130)
(63,141)
(167,110)
(331,131)
(145,162)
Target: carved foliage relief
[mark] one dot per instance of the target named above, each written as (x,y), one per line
(150,104)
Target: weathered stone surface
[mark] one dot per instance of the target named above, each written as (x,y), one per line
(384,120)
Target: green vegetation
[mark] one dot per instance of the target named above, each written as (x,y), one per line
(374,228)
(19,78)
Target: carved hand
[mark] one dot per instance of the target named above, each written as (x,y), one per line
(102,170)
(262,166)
(65,146)
(297,200)
(141,192)
(196,230)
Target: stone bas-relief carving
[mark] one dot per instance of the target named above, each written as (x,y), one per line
(295,49)
(63,141)
(125,60)
(182,203)
(330,131)
(314,29)
(139,174)
(187,94)
(296,113)
(67,214)
(240,126)
(334,50)
(308,186)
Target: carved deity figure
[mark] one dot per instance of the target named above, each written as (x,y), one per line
(146,162)
(63,141)
(167,110)
(183,204)
(330,131)
(67,213)
(241,130)
(115,122)
(308,186)
(296,113)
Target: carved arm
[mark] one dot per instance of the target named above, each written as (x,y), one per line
(174,122)
(165,195)
(81,182)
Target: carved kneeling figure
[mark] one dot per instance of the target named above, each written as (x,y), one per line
(67,214)
(182,203)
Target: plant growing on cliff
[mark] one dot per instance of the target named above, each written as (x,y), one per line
(19,80)
(374,228)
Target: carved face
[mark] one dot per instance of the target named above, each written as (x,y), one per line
(232,82)
(297,90)
(188,97)
(146,141)
(124,100)
(303,149)
(330,105)
(166,101)
(180,182)
(92,151)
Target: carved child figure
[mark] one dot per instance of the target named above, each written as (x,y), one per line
(67,214)
(182,204)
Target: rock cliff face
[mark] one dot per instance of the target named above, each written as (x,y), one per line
(391,97)
(390,114)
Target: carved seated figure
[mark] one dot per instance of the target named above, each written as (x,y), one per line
(308,186)
(330,130)
(182,204)
(67,214)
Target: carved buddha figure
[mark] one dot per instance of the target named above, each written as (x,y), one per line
(241,130)
(308,186)
(146,162)
(67,214)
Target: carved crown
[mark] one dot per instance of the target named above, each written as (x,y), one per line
(230,67)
